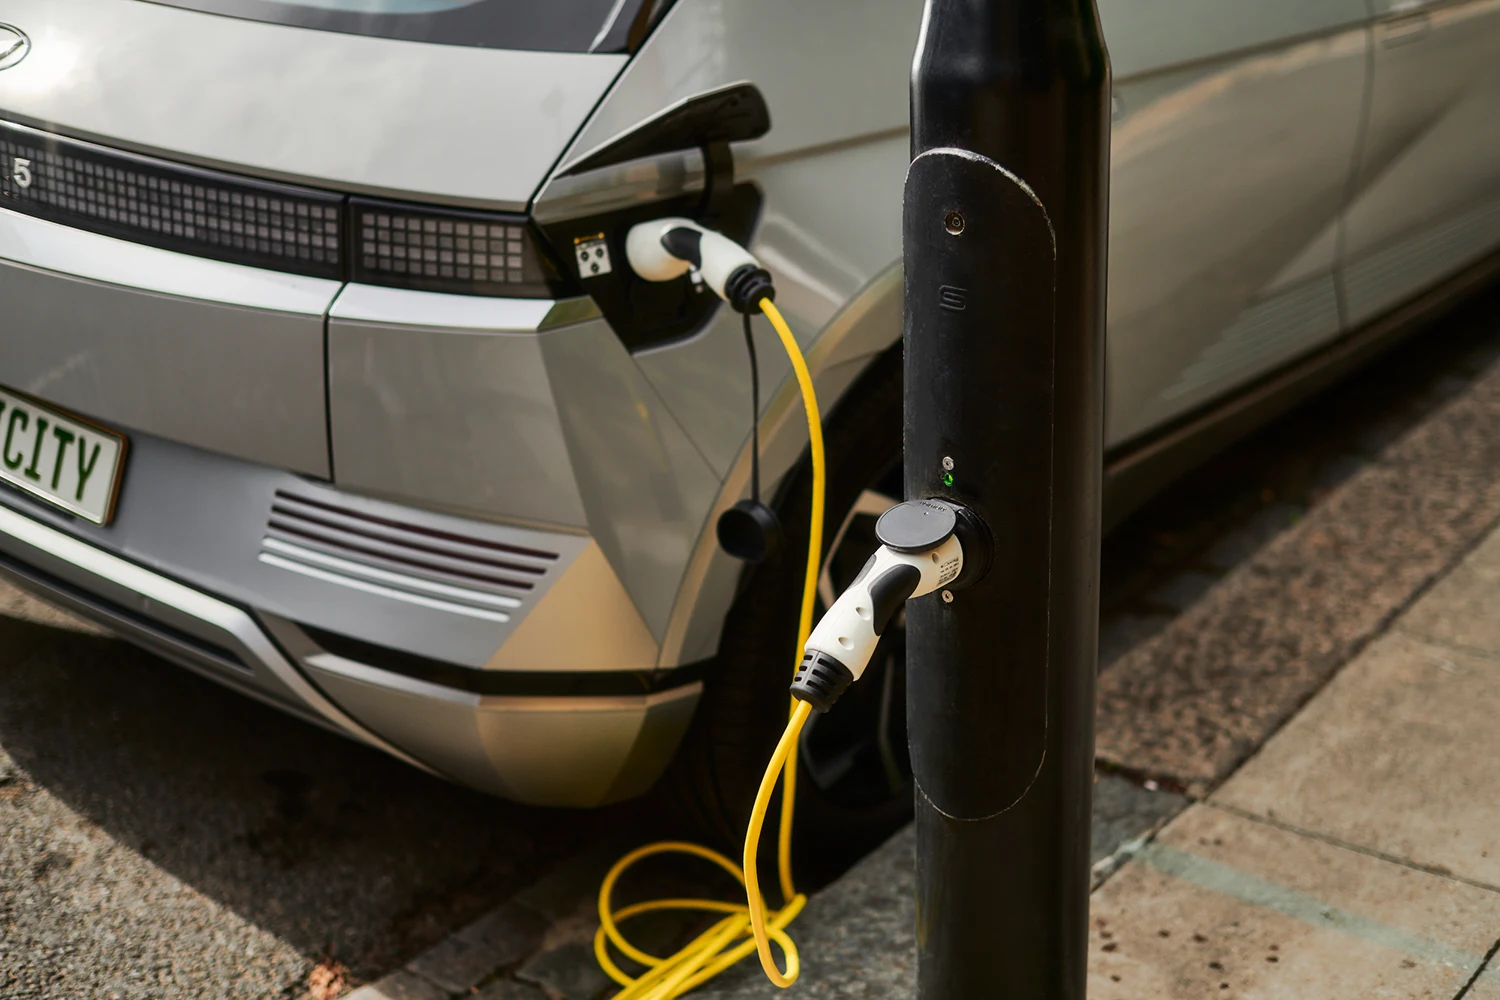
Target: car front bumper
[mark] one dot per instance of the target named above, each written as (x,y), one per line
(341,628)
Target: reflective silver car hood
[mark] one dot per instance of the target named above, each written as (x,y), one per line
(404,119)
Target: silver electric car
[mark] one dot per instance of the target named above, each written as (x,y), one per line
(322,371)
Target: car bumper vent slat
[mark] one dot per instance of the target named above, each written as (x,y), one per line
(402,554)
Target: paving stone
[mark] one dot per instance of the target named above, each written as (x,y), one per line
(1337,471)
(516,930)
(1120,633)
(456,963)
(564,965)
(400,985)
(509,989)
(1181,590)
(509,933)
(1124,811)
(1265,524)
(569,971)
(1487,986)
(1222,906)
(557,896)
(1460,608)
(1375,437)
(1396,755)
(857,938)
(1203,694)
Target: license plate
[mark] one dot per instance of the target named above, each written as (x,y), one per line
(63,459)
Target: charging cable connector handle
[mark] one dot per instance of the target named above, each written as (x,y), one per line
(926,545)
(664,249)
(840,647)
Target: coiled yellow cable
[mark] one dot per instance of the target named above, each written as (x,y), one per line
(745,927)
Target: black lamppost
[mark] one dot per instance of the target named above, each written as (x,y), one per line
(1005,247)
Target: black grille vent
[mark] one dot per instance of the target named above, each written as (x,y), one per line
(173,207)
(448,251)
(282,227)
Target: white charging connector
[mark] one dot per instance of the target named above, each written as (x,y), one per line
(921,552)
(664,249)
(853,626)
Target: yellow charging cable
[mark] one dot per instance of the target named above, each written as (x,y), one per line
(726,942)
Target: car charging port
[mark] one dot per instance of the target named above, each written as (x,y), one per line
(646,314)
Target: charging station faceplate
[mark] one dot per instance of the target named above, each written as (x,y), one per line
(984,245)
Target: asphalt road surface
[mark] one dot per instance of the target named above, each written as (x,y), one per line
(161,837)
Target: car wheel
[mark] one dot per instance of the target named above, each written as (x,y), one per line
(854,780)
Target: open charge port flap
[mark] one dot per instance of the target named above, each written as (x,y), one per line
(650,313)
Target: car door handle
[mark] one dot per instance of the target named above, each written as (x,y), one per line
(1406,29)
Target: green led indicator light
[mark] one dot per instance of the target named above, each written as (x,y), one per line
(947,479)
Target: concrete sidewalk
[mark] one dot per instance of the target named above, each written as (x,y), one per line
(1358,854)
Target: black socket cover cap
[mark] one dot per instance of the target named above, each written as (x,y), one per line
(916,525)
(750,531)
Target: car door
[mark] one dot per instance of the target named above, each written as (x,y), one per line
(1234,137)
(1427,194)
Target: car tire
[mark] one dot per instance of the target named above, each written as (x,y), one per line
(714,777)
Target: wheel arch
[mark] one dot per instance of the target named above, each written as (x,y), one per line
(865,330)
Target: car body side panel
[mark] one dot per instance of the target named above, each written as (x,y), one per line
(830,171)
(830,232)
(861,330)
(1146,35)
(1228,177)
(551,637)
(1264,99)
(855,60)
(406,119)
(646,490)
(216,355)
(553,427)
(828,227)
(1428,192)
(448,417)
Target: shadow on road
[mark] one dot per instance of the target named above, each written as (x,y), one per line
(334,848)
